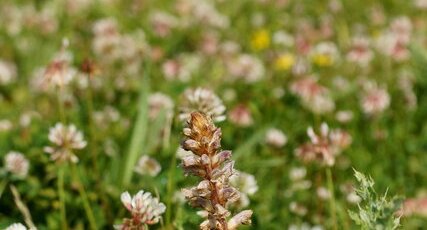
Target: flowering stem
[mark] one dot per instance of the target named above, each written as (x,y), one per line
(62,197)
(83,195)
(332,199)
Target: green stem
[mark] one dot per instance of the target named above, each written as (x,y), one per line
(62,197)
(90,111)
(170,189)
(61,108)
(332,199)
(3,186)
(84,197)
(343,217)
(167,132)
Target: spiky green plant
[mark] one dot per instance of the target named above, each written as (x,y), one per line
(376,212)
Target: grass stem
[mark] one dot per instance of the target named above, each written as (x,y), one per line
(61,193)
(84,197)
(170,189)
(90,111)
(332,207)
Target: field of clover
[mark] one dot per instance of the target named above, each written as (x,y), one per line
(213,114)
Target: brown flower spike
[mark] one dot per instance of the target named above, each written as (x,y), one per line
(214,167)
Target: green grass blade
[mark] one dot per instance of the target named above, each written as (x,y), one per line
(139,132)
(246,147)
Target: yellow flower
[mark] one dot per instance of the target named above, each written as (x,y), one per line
(260,40)
(323,60)
(284,62)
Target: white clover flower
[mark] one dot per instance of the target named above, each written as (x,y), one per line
(204,101)
(178,197)
(59,71)
(148,166)
(353,198)
(246,186)
(276,138)
(16,163)
(245,182)
(162,23)
(344,116)
(297,173)
(66,139)
(182,68)
(205,12)
(420,4)
(144,210)
(315,97)
(241,116)
(360,51)
(325,146)
(246,67)
(103,118)
(107,38)
(158,102)
(374,100)
(323,193)
(5,125)
(16,226)
(298,208)
(7,72)
(394,45)
(283,38)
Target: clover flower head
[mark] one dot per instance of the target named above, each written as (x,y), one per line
(16,226)
(375,99)
(16,163)
(66,139)
(203,100)
(144,209)
(276,138)
(325,146)
(148,166)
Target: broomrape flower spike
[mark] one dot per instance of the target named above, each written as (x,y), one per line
(145,210)
(375,212)
(214,167)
